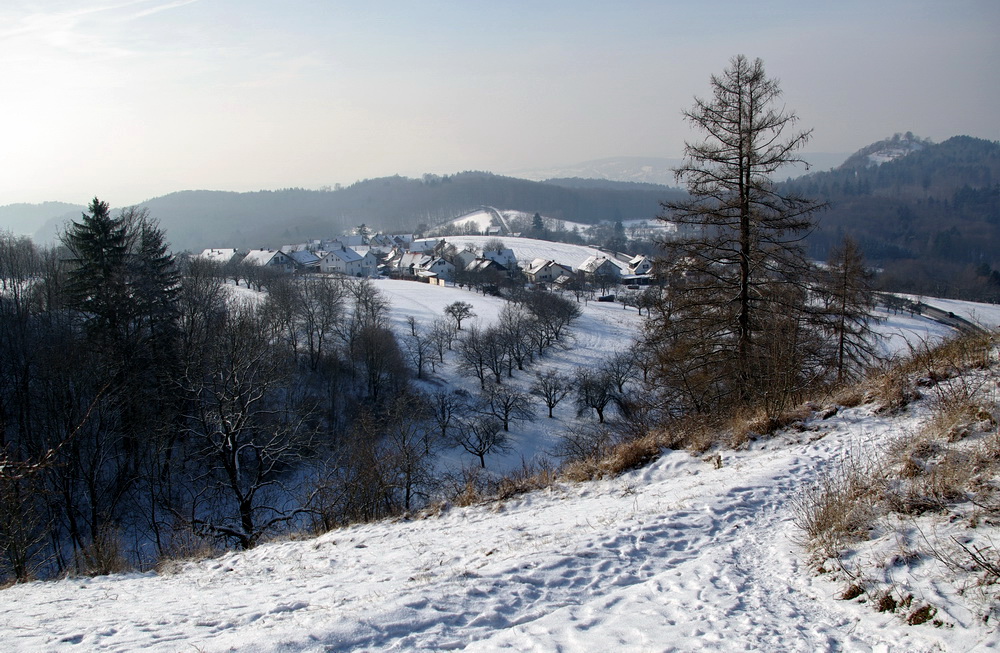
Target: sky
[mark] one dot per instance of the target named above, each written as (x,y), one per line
(132,99)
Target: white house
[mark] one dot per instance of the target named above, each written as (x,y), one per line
(270,258)
(504,257)
(220,256)
(545,270)
(599,266)
(343,260)
(640,265)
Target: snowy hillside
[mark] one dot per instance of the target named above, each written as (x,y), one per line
(528,249)
(679,555)
(676,556)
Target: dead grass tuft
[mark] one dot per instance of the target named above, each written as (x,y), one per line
(841,507)
(105,555)
(183,547)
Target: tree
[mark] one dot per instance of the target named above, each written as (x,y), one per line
(850,299)
(98,281)
(594,390)
(740,252)
(507,404)
(552,387)
(459,311)
(481,436)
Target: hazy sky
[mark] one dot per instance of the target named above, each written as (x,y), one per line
(128,100)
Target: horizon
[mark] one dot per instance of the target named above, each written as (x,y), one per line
(137,99)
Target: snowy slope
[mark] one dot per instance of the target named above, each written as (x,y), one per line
(528,249)
(676,556)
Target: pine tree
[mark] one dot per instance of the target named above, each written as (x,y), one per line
(98,280)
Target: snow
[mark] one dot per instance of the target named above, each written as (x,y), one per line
(482,220)
(678,555)
(528,249)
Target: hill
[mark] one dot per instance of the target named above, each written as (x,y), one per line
(927,214)
(683,552)
(26,219)
(198,219)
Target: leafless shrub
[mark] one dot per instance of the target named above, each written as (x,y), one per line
(891,388)
(921,615)
(104,555)
(183,547)
(840,507)
(530,476)
(941,483)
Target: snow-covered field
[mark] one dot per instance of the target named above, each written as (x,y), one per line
(676,556)
(528,249)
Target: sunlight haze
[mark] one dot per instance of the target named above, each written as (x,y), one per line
(129,100)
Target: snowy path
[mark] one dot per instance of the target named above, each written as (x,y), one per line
(676,556)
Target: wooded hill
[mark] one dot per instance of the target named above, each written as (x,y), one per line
(929,219)
(198,219)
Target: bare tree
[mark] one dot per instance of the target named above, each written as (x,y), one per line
(742,247)
(552,387)
(594,390)
(507,404)
(459,311)
(244,432)
(482,436)
(850,298)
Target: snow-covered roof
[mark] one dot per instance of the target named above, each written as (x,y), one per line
(304,257)
(345,254)
(217,255)
(594,263)
(263,256)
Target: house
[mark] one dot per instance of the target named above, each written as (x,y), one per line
(599,267)
(481,265)
(220,256)
(342,260)
(545,270)
(369,260)
(640,265)
(304,260)
(464,258)
(505,257)
(407,263)
(438,267)
(416,264)
(270,258)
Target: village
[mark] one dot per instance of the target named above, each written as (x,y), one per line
(484,264)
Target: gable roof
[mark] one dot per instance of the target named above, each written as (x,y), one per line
(345,254)
(304,257)
(595,263)
(218,255)
(264,257)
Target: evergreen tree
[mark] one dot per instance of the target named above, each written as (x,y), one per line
(98,279)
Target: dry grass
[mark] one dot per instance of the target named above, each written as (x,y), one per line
(841,507)
(184,547)
(105,555)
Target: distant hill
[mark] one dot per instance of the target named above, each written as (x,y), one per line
(659,171)
(928,214)
(198,219)
(26,219)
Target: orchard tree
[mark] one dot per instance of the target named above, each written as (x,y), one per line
(739,262)
(459,311)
